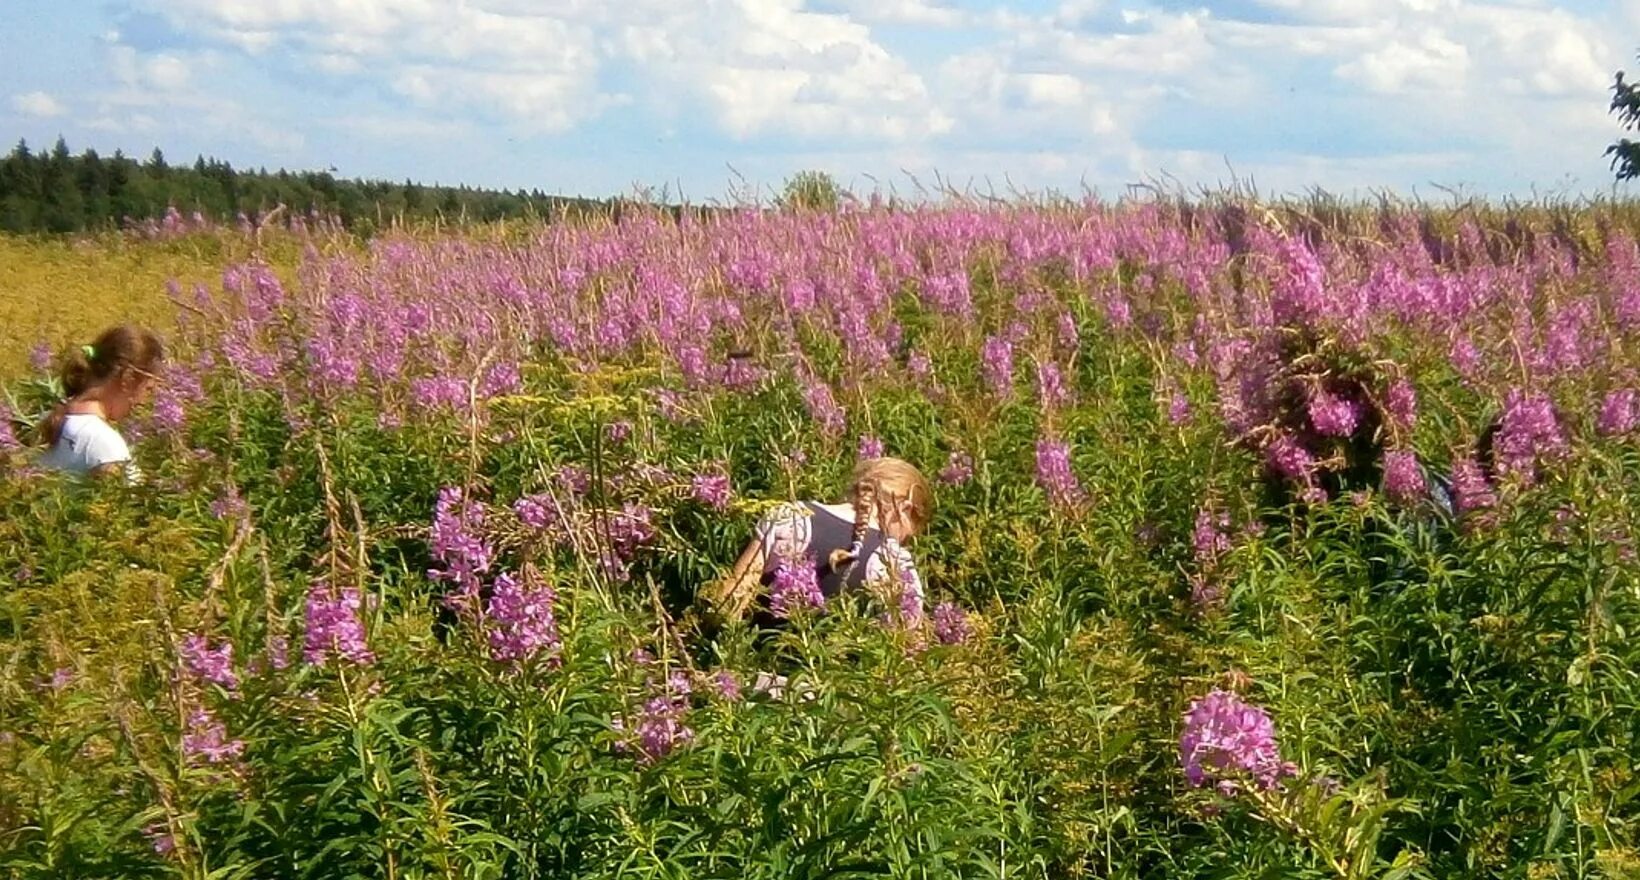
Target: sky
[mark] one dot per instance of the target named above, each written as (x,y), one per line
(709,99)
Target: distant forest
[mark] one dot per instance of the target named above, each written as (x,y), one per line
(57,191)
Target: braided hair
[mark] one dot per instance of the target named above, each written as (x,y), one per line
(864,498)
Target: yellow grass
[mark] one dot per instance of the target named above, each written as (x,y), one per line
(65,291)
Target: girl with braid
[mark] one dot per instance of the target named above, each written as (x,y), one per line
(847,546)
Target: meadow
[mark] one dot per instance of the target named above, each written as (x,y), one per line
(408,590)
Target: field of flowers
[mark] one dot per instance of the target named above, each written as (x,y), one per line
(408,591)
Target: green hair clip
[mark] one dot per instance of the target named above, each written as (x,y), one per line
(90,352)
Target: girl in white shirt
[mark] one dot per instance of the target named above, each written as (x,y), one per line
(104,382)
(849,546)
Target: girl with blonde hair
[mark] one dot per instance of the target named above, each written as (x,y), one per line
(835,548)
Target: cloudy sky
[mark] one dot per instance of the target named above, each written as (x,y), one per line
(1495,97)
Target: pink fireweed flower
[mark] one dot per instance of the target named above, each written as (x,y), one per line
(712,490)
(997,365)
(520,623)
(160,838)
(1210,538)
(1050,385)
(795,585)
(206,664)
(1178,409)
(278,652)
(1333,416)
(1225,738)
(1618,413)
(661,729)
(206,740)
(1404,480)
(535,511)
(822,406)
(959,469)
(1289,459)
(951,626)
(335,627)
(229,505)
(1401,404)
(457,542)
(870,447)
(40,357)
(1530,433)
(1470,489)
(1205,594)
(8,437)
(1054,474)
(727,685)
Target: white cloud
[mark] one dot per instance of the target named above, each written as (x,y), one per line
(763,67)
(908,12)
(1430,62)
(38,104)
(1078,86)
(162,72)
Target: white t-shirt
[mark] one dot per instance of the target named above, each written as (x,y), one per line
(88,442)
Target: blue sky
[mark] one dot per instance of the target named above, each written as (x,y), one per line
(1500,98)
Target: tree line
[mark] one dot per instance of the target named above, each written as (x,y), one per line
(56,191)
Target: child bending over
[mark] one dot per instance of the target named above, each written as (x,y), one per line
(857,543)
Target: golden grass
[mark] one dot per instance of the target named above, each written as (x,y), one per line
(66,291)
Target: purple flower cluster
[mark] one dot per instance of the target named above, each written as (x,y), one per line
(206,741)
(458,545)
(661,728)
(40,357)
(1051,390)
(630,528)
(951,626)
(1332,415)
(727,685)
(1210,539)
(796,585)
(8,438)
(278,652)
(1054,474)
(1404,480)
(997,365)
(534,511)
(1471,490)
(1619,413)
(208,665)
(160,838)
(1205,593)
(520,621)
(712,490)
(1226,740)
(335,627)
(822,405)
(1290,459)
(870,448)
(959,469)
(1178,409)
(229,505)
(1530,433)
(1401,404)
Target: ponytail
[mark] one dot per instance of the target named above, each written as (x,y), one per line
(118,348)
(865,504)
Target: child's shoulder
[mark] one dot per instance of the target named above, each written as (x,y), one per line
(785,511)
